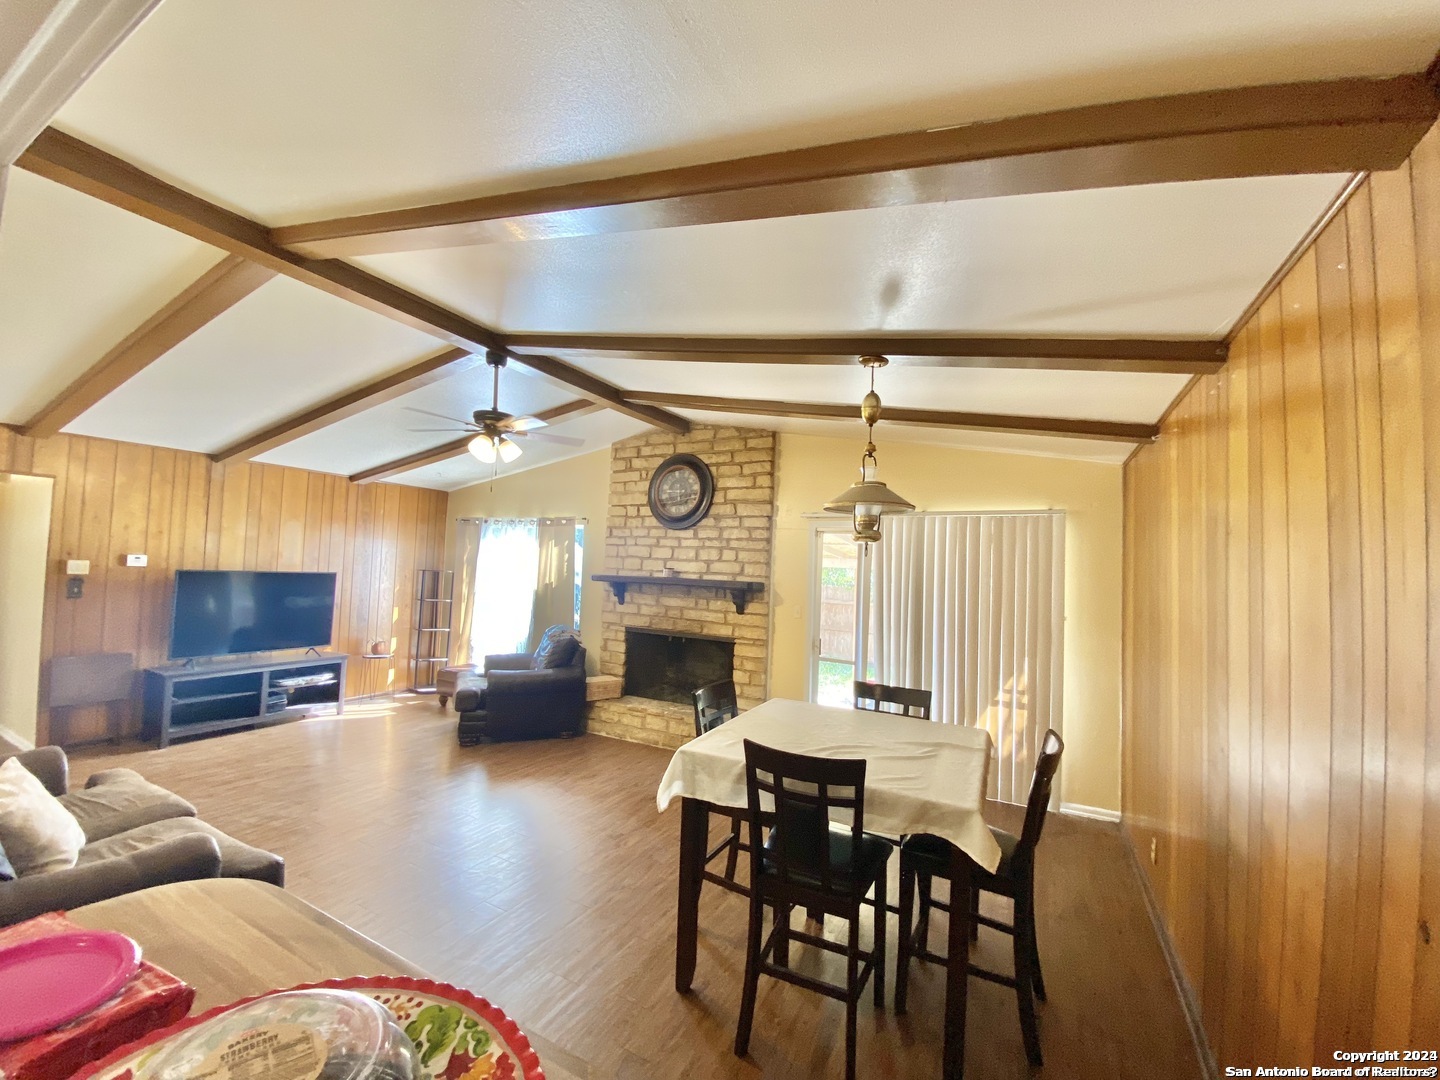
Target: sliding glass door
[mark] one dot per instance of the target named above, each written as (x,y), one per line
(838,647)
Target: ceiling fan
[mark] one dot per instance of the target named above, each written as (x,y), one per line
(496,431)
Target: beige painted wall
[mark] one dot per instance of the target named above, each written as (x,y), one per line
(812,469)
(24,541)
(576,487)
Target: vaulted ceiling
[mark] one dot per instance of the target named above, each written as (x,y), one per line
(276,229)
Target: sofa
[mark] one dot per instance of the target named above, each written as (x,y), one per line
(539,695)
(136,835)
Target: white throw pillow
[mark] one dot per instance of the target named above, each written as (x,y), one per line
(38,834)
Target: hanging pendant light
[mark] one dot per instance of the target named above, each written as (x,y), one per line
(870,499)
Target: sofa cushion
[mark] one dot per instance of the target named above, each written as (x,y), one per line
(7,872)
(117,800)
(237,859)
(556,649)
(38,833)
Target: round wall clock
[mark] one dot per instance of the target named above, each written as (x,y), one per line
(681,490)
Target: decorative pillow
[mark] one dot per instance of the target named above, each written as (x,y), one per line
(38,834)
(7,872)
(557,648)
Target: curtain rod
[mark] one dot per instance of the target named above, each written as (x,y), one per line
(541,520)
(842,519)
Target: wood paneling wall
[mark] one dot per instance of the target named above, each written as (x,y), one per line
(1282,655)
(186,512)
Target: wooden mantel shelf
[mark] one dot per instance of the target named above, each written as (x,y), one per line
(739,591)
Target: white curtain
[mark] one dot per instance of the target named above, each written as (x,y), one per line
(555,580)
(971,608)
(467,553)
(506,567)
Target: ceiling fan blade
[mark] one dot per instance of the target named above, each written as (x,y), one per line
(451,430)
(439,416)
(545,436)
(524,423)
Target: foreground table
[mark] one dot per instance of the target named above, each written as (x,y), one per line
(920,777)
(232,938)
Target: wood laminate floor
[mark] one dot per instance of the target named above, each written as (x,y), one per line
(541,875)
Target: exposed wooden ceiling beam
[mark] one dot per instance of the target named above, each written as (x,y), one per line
(572,410)
(1029,425)
(216,291)
(600,391)
(1344,125)
(453,449)
(82,167)
(440,366)
(1182,357)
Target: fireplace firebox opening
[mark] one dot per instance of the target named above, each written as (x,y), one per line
(671,667)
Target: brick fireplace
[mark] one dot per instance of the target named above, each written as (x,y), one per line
(733,542)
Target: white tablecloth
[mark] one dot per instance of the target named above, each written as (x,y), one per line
(920,776)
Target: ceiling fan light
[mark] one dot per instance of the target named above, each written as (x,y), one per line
(508,449)
(482,449)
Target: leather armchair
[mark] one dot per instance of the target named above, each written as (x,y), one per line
(520,702)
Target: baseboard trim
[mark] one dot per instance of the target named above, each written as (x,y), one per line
(1096,812)
(14,738)
(1189,1005)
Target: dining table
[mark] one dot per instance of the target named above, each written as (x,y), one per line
(233,938)
(920,777)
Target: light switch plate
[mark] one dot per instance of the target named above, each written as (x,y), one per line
(136,560)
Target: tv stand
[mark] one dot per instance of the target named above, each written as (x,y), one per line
(189,699)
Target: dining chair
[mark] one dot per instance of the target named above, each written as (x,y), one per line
(870,696)
(807,862)
(714,704)
(924,857)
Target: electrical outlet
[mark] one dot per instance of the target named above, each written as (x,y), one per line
(1154,851)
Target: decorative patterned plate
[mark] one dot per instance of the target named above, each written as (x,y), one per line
(459,1036)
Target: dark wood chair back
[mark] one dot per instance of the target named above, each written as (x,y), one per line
(714,704)
(1040,785)
(803,792)
(871,696)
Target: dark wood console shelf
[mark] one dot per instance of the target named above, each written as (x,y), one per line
(740,591)
(206,698)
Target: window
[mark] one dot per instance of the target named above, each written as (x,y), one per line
(527,578)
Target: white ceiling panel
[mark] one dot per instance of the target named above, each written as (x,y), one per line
(281,350)
(76,276)
(887,431)
(598,431)
(288,111)
(1165,259)
(396,429)
(1079,395)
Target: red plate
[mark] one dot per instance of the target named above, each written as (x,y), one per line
(50,980)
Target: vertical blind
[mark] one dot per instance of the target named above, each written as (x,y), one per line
(972,608)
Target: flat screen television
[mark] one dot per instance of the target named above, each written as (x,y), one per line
(225,612)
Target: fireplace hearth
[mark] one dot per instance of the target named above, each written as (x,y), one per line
(671,667)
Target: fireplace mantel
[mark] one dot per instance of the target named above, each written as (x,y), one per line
(740,591)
